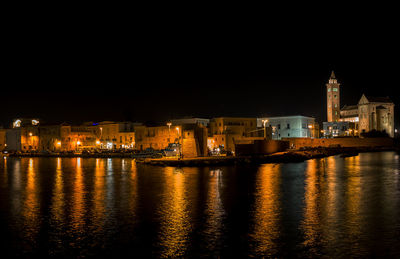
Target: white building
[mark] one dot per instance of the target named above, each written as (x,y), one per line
(290,126)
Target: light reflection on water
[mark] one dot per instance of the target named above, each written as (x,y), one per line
(266,213)
(332,207)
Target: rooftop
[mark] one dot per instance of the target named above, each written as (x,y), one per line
(373,99)
(349,107)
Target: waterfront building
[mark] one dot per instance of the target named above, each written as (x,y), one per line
(157,137)
(53,137)
(224,131)
(116,135)
(23,136)
(339,129)
(371,113)
(191,137)
(290,126)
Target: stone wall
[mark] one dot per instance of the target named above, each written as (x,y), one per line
(343,142)
(261,147)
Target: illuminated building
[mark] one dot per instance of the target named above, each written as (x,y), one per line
(376,113)
(156,137)
(339,128)
(371,113)
(115,135)
(333,99)
(224,131)
(191,137)
(24,135)
(291,126)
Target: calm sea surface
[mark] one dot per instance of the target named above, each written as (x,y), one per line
(75,207)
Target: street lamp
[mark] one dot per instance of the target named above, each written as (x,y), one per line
(264,122)
(311,131)
(180,148)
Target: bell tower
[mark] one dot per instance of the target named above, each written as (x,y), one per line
(333,99)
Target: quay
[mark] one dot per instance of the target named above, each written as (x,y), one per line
(293,156)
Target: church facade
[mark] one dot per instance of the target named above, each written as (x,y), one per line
(371,113)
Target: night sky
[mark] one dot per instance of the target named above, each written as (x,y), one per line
(155,70)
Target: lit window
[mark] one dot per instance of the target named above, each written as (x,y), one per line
(329,89)
(335,89)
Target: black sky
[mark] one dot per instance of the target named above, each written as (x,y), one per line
(155,68)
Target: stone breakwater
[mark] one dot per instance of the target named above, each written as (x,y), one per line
(294,156)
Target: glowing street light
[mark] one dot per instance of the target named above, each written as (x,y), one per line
(264,122)
(180,149)
(78,142)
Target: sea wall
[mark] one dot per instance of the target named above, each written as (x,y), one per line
(261,147)
(342,142)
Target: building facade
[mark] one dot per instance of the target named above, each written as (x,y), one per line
(339,129)
(191,137)
(224,131)
(291,126)
(376,113)
(371,113)
(333,98)
(116,135)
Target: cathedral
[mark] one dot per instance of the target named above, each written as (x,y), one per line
(371,113)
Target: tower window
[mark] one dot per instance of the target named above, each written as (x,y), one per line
(335,89)
(334,96)
(329,89)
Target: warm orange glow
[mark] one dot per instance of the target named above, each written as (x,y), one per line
(267,210)
(98,142)
(30,134)
(78,209)
(78,142)
(31,207)
(59,143)
(175,224)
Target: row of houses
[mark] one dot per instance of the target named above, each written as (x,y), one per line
(197,136)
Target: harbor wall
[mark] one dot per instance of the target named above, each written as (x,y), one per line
(261,147)
(339,142)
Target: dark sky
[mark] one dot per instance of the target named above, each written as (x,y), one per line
(147,69)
